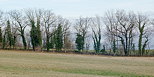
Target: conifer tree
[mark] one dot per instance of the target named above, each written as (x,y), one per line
(59,38)
(79,42)
(9,34)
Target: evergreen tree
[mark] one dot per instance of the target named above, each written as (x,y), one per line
(49,41)
(34,17)
(9,34)
(59,38)
(39,37)
(52,41)
(79,42)
(33,35)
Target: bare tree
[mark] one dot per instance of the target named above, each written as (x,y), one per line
(110,22)
(81,26)
(97,33)
(20,24)
(143,25)
(122,27)
(1,16)
(49,20)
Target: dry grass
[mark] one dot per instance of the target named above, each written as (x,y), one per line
(36,64)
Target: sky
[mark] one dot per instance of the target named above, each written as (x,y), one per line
(78,8)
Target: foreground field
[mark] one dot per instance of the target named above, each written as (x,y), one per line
(35,64)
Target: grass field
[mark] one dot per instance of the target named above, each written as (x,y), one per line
(37,64)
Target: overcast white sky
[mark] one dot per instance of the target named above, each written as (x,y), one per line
(76,8)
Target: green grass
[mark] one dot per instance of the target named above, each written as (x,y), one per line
(37,64)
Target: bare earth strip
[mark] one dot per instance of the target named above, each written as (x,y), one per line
(37,64)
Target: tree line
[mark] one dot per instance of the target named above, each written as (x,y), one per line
(117,32)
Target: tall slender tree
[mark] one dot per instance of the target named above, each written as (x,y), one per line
(59,38)
(9,34)
(96,29)
(143,24)
(34,17)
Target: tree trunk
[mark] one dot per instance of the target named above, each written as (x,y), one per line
(47,43)
(140,44)
(143,48)
(24,41)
